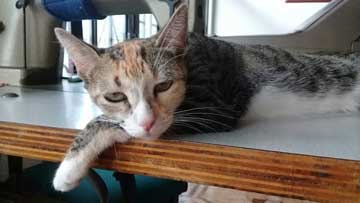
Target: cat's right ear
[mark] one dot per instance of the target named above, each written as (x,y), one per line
(173,35)
(84,57)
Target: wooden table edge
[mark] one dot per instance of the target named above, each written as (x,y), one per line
(276,173)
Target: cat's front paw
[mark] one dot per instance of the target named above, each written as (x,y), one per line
(67,176)
(63,185)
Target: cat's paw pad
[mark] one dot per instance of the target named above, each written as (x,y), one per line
(67,177)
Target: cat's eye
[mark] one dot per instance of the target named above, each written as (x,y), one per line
(115,97)
(162,87)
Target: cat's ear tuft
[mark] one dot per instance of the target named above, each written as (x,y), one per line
(173,35)
(84,57)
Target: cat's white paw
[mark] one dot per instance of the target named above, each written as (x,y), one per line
(62,185)
(67,176)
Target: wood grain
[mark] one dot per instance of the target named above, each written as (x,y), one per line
(289,175)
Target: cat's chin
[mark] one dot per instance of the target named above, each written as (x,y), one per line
(146,136)
(139,133)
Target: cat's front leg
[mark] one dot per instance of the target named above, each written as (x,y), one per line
(98,135)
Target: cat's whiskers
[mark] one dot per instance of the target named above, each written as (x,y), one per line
(162,50)
(114,150)
(193,109)
(170,131)
(172,58)
(206,120)
(207,113)
(197,122)
(205,108)
(215,108)
(188,126)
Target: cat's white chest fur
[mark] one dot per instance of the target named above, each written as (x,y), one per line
(272,102)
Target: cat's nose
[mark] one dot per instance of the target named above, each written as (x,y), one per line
(148,123)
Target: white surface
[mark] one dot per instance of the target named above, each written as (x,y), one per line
(47,108)
(332,135)
(260,17)
(10,76)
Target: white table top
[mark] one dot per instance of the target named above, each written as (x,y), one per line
(47,108)
(333,135)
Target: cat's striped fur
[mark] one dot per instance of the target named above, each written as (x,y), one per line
(250,82)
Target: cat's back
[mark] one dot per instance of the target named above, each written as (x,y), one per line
(306,73)
(208,49)
(267,64)
(273,82)
(296,83)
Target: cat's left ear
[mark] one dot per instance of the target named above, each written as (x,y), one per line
(173,35)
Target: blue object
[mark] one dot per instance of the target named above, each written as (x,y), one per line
(72,10)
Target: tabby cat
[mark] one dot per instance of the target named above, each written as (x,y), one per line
(183,82)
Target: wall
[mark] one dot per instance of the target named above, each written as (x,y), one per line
(260,17)
(333,31)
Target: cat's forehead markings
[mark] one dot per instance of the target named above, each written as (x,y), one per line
(133,63)
(117,81)
(133,48)
(117,53)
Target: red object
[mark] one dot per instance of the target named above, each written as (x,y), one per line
(307,1)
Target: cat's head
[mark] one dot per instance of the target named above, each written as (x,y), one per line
(141,82)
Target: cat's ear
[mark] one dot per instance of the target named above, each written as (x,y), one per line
(173,35)
(84,56)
